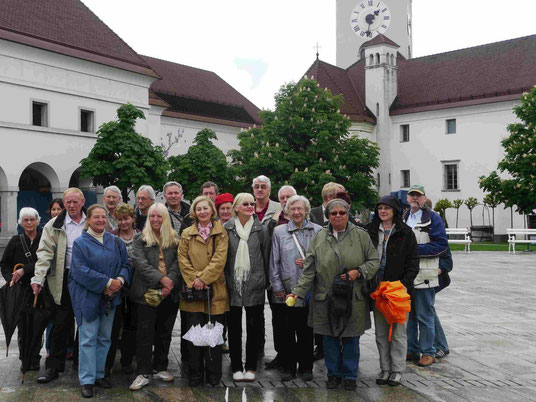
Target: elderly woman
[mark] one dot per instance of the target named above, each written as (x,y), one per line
(224,207)
(290,243)
(340,253)
(399,261)
(99,269)
(202,256)
(15,253)
(245,275)
(156,273)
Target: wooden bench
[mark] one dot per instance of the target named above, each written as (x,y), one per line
(529,236)
(460,232)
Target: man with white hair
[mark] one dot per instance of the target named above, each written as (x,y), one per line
(265,208)
(144,198)
(179,210)
(111,199)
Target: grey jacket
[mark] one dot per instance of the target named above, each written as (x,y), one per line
(284,273)
(273,208)
(145,265)
(253,288)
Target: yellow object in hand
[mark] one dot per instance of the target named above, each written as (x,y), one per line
(291,301)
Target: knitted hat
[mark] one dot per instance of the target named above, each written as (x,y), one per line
(223,198)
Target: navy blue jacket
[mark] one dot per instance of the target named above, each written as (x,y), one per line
(93,265)
(438,243)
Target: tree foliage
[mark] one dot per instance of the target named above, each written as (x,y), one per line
(457,204)
(440,207)
(519,162)
(123,157)
(204,161)
(305,142)
(471,203)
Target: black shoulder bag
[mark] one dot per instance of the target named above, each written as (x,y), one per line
(340,303)
(191,294)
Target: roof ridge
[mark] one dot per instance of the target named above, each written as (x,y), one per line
(179,64)
(336,84)
(354,86)
(197,98)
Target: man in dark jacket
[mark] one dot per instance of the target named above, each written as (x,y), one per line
(144,198)
(179,210)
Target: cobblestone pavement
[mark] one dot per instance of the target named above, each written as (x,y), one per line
(488,313)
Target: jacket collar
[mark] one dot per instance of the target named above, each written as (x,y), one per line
(231,225)
(306,225)
(60,219)
(217,228)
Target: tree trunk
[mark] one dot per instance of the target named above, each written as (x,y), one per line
(457,212)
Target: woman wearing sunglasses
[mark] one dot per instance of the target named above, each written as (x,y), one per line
(245,275)
(345,251)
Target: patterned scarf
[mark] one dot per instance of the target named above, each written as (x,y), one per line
(204,231)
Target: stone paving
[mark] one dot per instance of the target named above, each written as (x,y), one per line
(488,313)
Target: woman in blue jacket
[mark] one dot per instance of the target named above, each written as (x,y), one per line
(99,269)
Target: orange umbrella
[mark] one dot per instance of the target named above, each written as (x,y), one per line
(393,302)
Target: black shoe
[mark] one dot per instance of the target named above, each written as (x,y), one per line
(307,376)
(214,381)
(273,364)
(87,391)
(103,383)
(350,385)
(318,354)
(288,376)
(50,374)
(333,382)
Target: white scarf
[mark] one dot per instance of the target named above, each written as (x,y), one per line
(242,264)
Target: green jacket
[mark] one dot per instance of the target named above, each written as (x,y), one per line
(326,257)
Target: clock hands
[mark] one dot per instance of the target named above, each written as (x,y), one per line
(370,19)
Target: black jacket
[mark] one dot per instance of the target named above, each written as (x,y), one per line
(316,215)
(402,253)
(14,254)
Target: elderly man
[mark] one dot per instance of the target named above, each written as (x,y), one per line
(211,190)
(432,239)
(144,198)
(111,199)
(52,268)
(179,210)
(265,208)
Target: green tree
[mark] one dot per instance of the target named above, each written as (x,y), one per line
(519,162)
(204,161)
(471,203)
(491,201)
(457,204)
(123,157)
(441,207)
(305,142)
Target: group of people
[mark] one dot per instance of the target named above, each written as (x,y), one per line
(123,273)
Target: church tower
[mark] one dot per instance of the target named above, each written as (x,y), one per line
(359,21)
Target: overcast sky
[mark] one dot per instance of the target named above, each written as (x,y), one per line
(257,46)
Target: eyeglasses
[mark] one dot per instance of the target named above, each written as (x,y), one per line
(262,187)
(248,204)
(335,213)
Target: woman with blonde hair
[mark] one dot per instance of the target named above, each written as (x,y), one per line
(245,275)
(156,272)
(202,256)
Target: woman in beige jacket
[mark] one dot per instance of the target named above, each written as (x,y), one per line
(202,256)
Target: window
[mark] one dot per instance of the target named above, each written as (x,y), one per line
(39,114)
(451,126)
(377,109)
(362,54)
(405,178)
(87,121)
(450,176)
(404,133)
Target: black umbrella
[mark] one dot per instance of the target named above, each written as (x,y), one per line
(34,322)
(13,300)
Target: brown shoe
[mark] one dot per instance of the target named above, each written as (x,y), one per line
(426,360)
(413,357)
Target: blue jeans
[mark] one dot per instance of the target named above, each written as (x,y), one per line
(94,338)
(345,363)
(421,330)
(440,340)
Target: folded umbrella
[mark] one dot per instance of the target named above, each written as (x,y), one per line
(393,301)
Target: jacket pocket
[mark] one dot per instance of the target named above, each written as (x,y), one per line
(321,296)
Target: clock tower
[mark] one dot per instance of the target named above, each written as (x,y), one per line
(359,21)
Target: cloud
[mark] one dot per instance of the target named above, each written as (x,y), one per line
(256,68)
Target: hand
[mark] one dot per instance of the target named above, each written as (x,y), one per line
(108,292)
(36,289)
(280,295)
(199,284)
(292,295)
(299,262)
(352,275)
(116,285)
(167,283)
(16,276)
(439,271)
(165,292)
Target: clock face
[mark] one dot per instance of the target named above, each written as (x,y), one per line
(370,18)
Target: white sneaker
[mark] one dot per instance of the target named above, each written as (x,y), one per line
(140,382)
(164,376)
(238,376)
(249,376)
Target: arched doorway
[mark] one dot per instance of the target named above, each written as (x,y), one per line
(85,185)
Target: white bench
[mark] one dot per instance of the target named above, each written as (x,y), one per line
(529,236)
(460,232)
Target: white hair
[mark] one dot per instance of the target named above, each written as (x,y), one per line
(149,190)
(286,187)
(296,198)
(262,179)
(27,211)
(115,189)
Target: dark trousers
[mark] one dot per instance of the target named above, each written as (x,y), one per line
(298,342)
(114,338)
(63,317)
(254,327)
(279,324)
(128,337)
(184,342)
(154,328)
(319,342)
(202,359)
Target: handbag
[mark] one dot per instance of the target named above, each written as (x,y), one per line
(190,294)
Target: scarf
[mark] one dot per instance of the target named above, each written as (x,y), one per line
(98,236)
(204,231)
(242,263)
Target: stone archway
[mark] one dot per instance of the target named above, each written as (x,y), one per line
(86,185)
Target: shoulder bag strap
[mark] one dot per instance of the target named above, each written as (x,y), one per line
(27,252)
(300,249)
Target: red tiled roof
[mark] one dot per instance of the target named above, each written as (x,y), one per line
(67,27)
(188,89)
(379,40)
